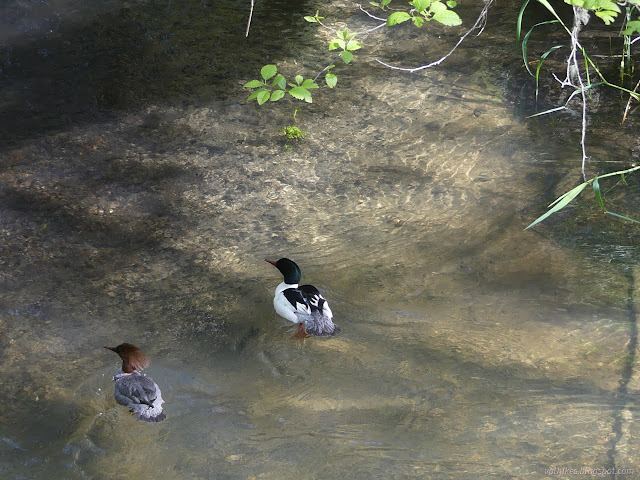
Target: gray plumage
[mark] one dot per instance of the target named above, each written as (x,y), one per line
(320,325)
(140,394)
(320,321)
(134,389)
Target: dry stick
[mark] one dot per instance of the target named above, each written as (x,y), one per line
(249,22)
(480,24)
(580,18)
(626,110)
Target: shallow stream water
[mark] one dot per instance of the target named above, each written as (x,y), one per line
(141,195)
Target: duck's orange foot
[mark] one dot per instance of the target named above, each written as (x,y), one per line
(301,333)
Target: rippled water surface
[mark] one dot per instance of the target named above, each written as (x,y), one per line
(141,195)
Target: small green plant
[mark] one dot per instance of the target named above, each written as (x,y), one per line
(425,11)
(273,86)
(293,133)
(632,27)
(345,40)
(382,5)
(604,9)
(347,43)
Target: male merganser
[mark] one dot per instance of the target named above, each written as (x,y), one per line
(134,389)
(302,304)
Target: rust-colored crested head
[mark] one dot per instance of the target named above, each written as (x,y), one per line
(132,357)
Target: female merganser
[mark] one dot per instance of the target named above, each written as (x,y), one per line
(302,304)
(134,389)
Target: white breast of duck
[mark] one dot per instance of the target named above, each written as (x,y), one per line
(304,304)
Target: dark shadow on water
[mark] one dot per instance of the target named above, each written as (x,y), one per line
(65,68)
(624,400)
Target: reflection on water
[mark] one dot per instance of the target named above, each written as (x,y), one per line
(470,349)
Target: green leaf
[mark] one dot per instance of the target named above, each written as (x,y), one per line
(596,190)
(437,7)
(632,27)
(620,172)
(397,17)
(525,43)
(299,79)
(547,112)
(280,81)
(607,16)
(308,83)
(548,6)
(387,2)
(375,4)
(336,43)
(418,21)
(315,19)
(263,96)
(268,71)
(301,94)
(541,61)
(277,95)
(254,84)
(519,21)
(255,94)
(346,35)
(353,45)
(452,4)
(346,56)
(560,203)
(567,197)
(622,217)
(608,5)
(331,80)
(420,5)
(570,194)
(447,17)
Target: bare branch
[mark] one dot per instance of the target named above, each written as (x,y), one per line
(479,25)
(249,22)
(372,16)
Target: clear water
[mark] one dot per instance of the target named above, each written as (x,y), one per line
(470,349)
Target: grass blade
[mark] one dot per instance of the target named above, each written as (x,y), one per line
(541,61)
(560,203)
(525,43)
(557,109)
(621,172)
(548,6)
(596,190)
(519,22)
(573,193)
(622,217)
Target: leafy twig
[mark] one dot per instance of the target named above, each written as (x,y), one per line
(479,25)
(566,198)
